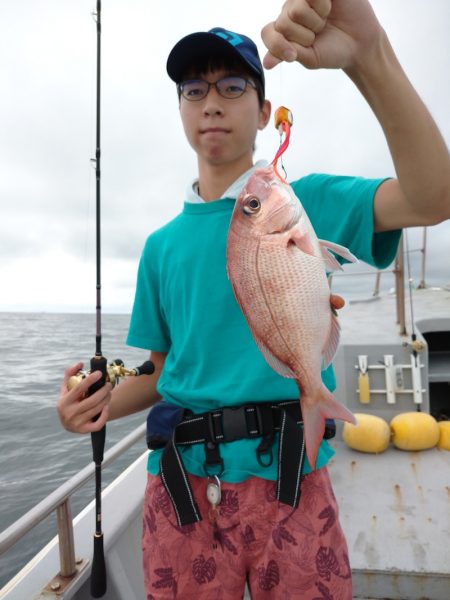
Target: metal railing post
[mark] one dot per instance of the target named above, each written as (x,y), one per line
(399,271)
(66,543)
(422,285)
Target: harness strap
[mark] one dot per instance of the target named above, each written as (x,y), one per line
(291,461)
(228,424)
(175,480)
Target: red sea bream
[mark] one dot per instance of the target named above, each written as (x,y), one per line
(277,268)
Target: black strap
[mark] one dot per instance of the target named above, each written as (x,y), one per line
(291,461)
(176,482)
(233,423)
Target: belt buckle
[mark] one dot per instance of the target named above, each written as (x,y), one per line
(234,423)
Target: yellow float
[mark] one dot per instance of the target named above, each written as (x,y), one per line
(414,431)
(371,434)
(444,435)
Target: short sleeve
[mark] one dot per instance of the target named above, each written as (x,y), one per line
(341,210)
(148,327)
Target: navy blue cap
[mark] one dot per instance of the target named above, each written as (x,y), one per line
(216,41)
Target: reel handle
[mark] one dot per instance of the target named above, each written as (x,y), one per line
(111,372)
(147,368)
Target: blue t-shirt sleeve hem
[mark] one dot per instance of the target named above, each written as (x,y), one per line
(384,245)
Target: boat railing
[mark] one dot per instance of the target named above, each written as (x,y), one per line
(59,501)
(398,271)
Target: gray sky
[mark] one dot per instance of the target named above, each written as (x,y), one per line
(47,124)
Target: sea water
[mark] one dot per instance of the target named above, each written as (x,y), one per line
(37,454)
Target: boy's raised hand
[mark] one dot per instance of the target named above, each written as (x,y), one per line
(329,34)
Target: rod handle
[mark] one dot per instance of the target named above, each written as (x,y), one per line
(98,573)
(98,363)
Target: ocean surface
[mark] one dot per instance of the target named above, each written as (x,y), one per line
(37,454)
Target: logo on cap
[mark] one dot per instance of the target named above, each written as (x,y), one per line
(232,38)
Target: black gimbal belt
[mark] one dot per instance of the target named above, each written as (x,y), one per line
(227,425)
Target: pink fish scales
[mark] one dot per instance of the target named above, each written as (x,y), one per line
(277,268)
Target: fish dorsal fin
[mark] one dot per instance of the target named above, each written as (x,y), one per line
(332,342)
(330,260)
(274,362)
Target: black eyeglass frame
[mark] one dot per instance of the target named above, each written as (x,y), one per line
(215,84)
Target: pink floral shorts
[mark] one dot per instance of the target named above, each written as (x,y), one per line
(281,552)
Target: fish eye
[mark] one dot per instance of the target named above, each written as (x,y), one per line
(251,205)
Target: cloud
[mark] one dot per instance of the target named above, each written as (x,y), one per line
(47,107)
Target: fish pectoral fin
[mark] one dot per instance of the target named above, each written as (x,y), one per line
(332,342)
(274,362)
(330,260)
(301,240)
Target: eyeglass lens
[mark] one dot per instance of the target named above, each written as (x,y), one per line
(228,87)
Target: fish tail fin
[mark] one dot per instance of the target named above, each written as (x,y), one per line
(315,410)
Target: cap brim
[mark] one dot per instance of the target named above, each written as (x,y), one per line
(193,48)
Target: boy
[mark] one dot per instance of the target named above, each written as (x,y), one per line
(212,515)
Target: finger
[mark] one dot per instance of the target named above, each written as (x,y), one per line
(270,61)
(321,7)
(293,31)
(82,388)
(93,426)
(336,301)
(96,401)
(70,372)
(92,413)
(279,48)
(303,15)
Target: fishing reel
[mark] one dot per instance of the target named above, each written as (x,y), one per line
(114,372)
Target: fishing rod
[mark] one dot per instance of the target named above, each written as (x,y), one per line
(110,372)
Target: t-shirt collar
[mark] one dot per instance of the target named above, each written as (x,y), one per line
(232,192)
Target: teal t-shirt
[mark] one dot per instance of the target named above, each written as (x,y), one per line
(184,306)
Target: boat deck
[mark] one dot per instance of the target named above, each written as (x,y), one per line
(395,511)
(373,321)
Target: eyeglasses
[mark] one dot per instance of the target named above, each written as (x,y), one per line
(227,87)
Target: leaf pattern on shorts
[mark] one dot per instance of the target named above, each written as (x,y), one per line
(229,503)
(327,563)
(280,533)
(330,516)
(150,520)
(166,579)
(326,594)
(310,491)
(302,522)
(268,577)
(161,501)
(221,535)
(204,570)
(248,537)
(271,492)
